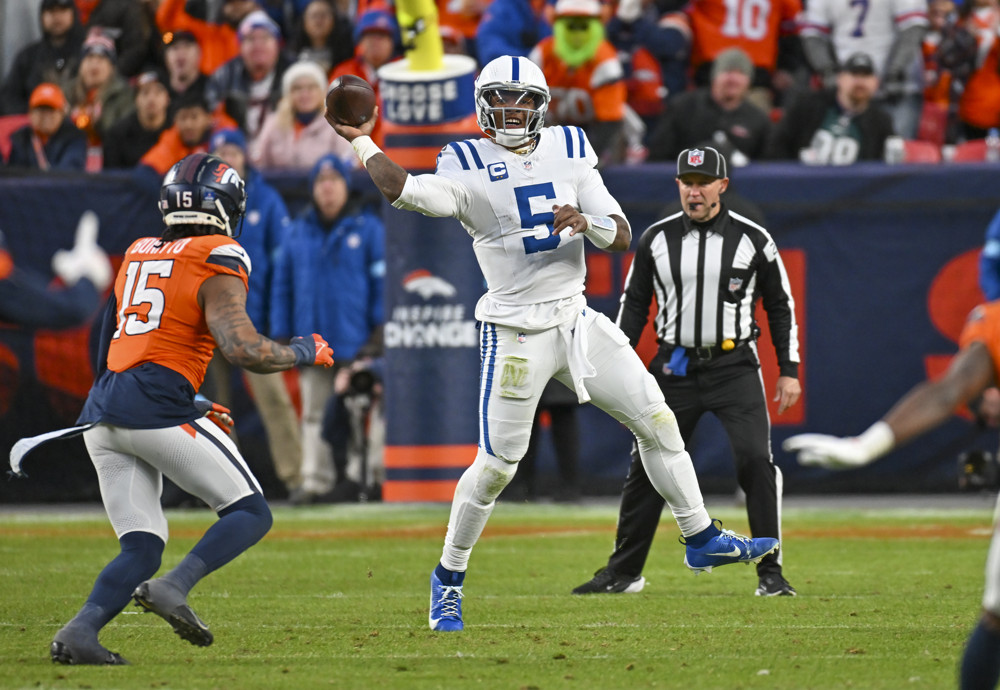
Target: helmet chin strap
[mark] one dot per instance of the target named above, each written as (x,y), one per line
(225,218)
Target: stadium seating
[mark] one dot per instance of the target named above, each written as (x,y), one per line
(916,151)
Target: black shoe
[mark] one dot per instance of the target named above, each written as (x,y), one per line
(167,602)
(774,585)
(606,581)
(79,648)
(347,491)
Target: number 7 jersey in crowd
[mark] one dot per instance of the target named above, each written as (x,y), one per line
(155,344)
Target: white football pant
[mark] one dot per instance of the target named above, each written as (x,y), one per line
(516,366)
(199,457)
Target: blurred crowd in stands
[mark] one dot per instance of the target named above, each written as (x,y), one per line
(115,84)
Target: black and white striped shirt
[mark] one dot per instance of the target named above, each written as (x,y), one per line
(705,277)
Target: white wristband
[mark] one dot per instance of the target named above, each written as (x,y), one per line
(877,440)
(601,230)
(365,148)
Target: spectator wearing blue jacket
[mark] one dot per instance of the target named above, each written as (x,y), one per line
(328,277)
(511,27)
(265,225)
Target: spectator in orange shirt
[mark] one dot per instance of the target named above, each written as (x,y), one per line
(720,24)
(376,35)
(459,19)
(949,52)
(979,107)
(218,41)
(190,133)
(585,77)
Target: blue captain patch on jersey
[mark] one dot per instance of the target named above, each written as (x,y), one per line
(497,171)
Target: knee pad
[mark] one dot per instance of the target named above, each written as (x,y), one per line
(490,475)
(657,428)
(144,550)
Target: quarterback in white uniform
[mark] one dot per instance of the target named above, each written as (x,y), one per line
(528,196)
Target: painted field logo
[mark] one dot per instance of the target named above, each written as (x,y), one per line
(428,285)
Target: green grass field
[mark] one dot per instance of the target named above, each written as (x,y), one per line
(336,597)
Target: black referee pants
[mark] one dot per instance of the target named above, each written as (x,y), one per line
(729,386)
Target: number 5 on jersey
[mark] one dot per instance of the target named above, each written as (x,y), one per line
(530,221)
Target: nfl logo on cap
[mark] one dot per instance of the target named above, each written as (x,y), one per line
(707,161)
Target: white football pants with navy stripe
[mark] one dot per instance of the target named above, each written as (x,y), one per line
(515,367)
(199,457)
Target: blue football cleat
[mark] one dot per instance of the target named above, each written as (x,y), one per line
(728,547)
(446,606)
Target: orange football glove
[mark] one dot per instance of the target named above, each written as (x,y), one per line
(217,414)
(312,351)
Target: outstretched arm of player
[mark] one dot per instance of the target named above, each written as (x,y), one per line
(385,173)
(431,195)
(224,299)
(925,407)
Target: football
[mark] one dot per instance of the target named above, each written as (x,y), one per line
(350,100)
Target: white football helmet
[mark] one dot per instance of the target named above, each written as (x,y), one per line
(511,83)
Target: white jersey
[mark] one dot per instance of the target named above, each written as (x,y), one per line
(504,200)
(862,27)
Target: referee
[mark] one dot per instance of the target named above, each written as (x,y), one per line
(706,265)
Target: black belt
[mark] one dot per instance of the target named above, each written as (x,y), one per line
(707,353)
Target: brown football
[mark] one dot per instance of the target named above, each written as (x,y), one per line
(350,100)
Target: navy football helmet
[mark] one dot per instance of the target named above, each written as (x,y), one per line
(202,189)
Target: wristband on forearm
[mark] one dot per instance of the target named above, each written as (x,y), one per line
(365,148)
(602,230)
(877,440)
(304,349)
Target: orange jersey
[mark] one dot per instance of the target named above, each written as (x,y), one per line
(983,326)
(218,42)
(753,25)
(593,92)
(461,15)
(937,82)
(980,102)
(159,319)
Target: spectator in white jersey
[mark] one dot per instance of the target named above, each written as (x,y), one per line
(888,31)
(535,322)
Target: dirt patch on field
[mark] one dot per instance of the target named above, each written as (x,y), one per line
(883,532)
